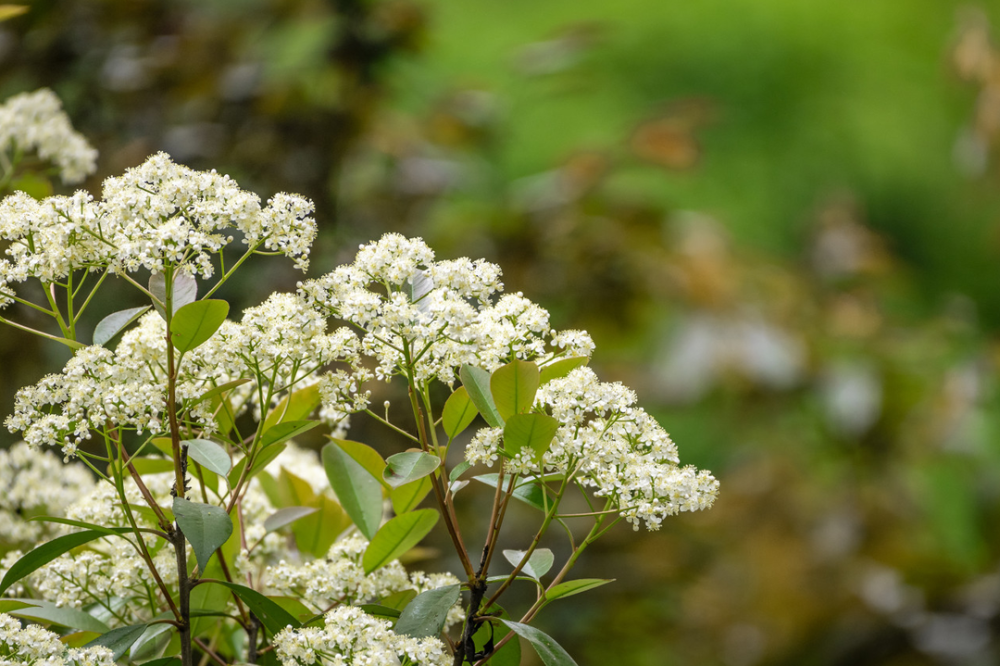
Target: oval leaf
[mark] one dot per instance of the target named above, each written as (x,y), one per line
(538,564)
(359,492)
(111,325)
(185,290)
(477,383)
(286,516)
(409,466)
(49,551)
(426,614)
(365,456)
(398,536)
(209,455)
(196,322)
(270,614)
(533,432)
(119,640)
(562,367)
(458,412)
(513,387)
(409,495)
(206,527)
(550,652)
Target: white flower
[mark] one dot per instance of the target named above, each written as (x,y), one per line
(33,644)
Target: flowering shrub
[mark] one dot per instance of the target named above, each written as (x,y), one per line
(208,532)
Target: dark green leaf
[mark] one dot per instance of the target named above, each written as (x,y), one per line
(206,527)
(111,325)
(382,612)
(509,654)
(196,322)
(426,614)
(550,652)
(458,412)
(359,492)
(398,536)
(49,551)
(409,466)
(119,640)
(534,432)
(164,661)
(513,387)
(107,531)
(272,616)
(208,454)
(477,384)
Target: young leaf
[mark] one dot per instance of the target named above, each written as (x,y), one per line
(426,614)
(570,587)
(477,383)
(398,536)
(209,455)
(538,564)
(409,466)
(272,616)
(458,412)
(185,290)
(513,387)
(111,325)
(409,495)
(527,492)
(534,432)
(285,430)
(49,551)
(66,616)
(562,367)
(550,652)
(196,322)
(296,406)
(286,516)
(206,527)
(119,640)
(359,492)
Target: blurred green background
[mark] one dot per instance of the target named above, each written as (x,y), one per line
(780,220)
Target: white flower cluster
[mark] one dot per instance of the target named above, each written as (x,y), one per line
(37,646)
(36,122)
(156,215)
(352,637)
(26,476)
(609,444)
(340,578)
(436,316)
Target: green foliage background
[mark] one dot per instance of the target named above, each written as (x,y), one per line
(669,176)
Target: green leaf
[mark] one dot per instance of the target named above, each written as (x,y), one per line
(365,456)
(30,183)
(571,587)
(295,406)
(409,466)
(538,564)
(550,652)
(271,615)
(114,323)
(398,536)
(65,616)
(458,412)
(426,614)
(527,492)
(398,600)
(196,322)
(206,527)
(119,640)
(380,611)
(315,534)
(107,531)
(147,643)
(221,388)
(209,455)
(359,492)
(513,387)
(49,551)
(264,458)
(184,292)
(8,605)
(208,599)
(286,516)
(459,470)
(534,432)
(285,430)
(477,383)
(163,661)
(562,367)
(293,607)
(409,495)
(489,634)
(10,11)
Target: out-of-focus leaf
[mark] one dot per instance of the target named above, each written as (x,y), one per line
(398,536)
(359,492)
(115,322)
(513,387)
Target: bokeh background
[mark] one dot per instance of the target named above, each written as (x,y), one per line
(780,220)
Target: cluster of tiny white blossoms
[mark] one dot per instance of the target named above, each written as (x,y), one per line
(610,445)
(26,476)
(157,215)
(340,578)
(435,316)
(352,637)
(37,646)
(36,122)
